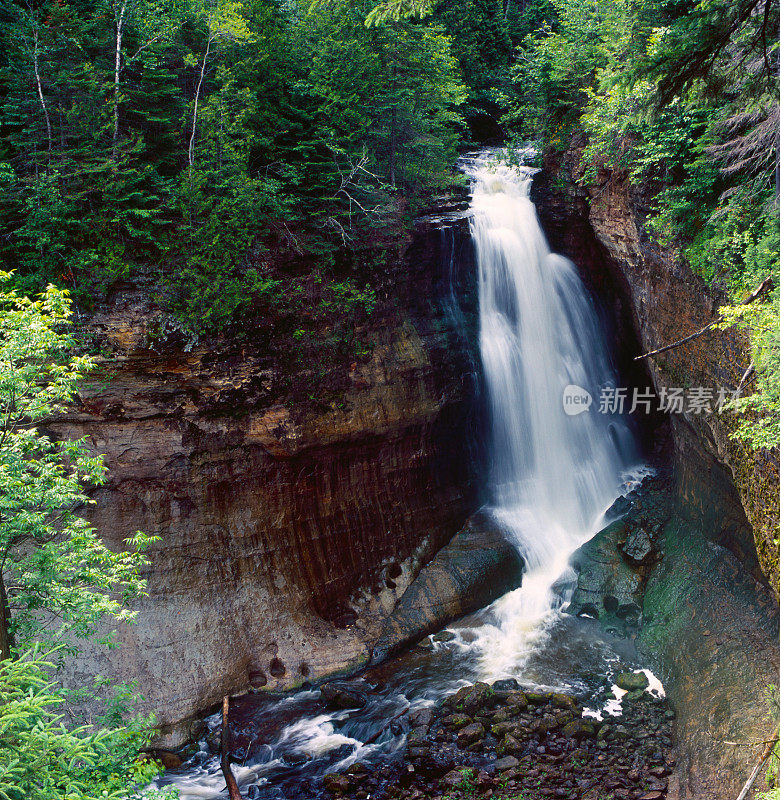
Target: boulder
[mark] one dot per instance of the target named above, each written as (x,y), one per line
(478,566)
(338,695)
(638,547)
(470,734)
(505,763)
(630,681)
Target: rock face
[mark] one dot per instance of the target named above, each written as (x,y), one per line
(708,584)
(474,569)
(287,532)
(700,617)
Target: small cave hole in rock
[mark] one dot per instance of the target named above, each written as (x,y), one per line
(277,668)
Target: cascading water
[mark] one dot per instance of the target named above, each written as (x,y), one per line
(552,476)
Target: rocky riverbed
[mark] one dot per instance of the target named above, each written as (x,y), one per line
(500,741)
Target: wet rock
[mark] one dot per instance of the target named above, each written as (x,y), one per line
(475,568)
(505,763)
(631,681)
(338,695)
(560,700)
(471,699)
(506,685)
(606,581)
(619,732)
(456,721)
(421,716)
(501,729)
(638,547)
(578,729)
(444,636)
(470,734)
(509,745)
(337,783)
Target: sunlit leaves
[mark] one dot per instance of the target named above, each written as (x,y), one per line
(59,577)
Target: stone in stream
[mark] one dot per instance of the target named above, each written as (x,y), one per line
(505,763)
(506,685)
(444,636)
(631,681)
(471,699)
(337,695)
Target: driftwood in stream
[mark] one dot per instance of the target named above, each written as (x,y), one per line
(766,285)
(224,759)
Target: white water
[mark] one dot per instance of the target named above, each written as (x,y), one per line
(552,475)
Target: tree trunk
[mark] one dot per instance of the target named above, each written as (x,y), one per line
(6,640)
(392,149)
(40,92)
(224,756)
(191,154)
(120,25)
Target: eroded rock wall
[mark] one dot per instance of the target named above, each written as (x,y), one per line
(288,531)
(711,623)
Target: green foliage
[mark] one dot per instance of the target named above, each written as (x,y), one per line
(57,578)
(212,134)
(41,758)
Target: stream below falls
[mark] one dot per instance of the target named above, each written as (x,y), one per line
(552,477)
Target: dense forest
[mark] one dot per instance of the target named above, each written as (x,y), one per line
(256,160)
(245,157)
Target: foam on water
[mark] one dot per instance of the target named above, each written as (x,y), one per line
(553,475)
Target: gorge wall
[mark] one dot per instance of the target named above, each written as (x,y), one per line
(710,620)
(288,531)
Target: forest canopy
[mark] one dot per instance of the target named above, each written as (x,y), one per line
(263,159)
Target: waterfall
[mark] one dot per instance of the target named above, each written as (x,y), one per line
(552,474)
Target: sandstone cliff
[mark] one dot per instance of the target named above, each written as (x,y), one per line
(710,621)
(288,530)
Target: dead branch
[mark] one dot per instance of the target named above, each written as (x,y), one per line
(766,285)
(224,756)
(746,375)
(765,756)
(748,744)
(680,341)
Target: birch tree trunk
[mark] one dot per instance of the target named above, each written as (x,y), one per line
(191,154)
(41,98)
(120,25)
